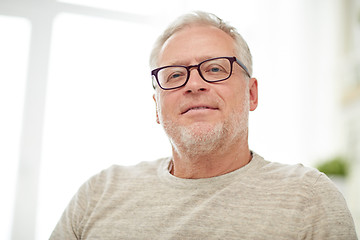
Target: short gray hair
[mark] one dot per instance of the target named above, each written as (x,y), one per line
(203,18)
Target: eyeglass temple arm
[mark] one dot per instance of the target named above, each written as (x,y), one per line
(243,67)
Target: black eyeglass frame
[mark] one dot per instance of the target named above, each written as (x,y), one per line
(154,72)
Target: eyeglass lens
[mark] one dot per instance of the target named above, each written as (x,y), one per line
(211,70)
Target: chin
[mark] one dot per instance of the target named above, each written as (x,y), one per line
(199,128)
(199,137)
(205,137)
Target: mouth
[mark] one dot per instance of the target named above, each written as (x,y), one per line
(198,108)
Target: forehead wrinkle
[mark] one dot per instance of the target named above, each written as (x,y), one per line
(189,62)
(189,39)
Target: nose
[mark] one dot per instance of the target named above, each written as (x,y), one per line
(195,83)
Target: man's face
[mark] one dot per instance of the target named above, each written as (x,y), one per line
(200,109)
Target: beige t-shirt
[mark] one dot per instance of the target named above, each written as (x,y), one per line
(262,200)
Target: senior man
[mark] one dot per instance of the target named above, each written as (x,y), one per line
(213,186)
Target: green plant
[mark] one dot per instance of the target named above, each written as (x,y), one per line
(336,166)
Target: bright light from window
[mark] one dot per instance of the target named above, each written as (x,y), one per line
(99,108)
(14,48)
(153,7)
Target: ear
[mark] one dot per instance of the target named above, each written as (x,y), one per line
(253,88)
(156,109)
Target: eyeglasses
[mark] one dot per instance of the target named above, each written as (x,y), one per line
(211,70)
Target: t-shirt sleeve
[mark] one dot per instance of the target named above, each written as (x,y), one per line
(326,215)
(71,222)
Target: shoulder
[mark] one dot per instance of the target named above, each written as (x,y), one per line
(115,173)
(288,172)
(305,182)
(117,180)
(323,209)
(314,190)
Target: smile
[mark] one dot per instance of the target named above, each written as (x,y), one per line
(198,108)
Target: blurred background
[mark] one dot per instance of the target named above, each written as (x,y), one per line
(76,94)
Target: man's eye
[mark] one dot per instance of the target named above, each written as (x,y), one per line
(215,69)
(175,75)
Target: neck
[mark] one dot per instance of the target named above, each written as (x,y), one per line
(211,164)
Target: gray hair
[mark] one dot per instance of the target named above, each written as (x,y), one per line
(203,18)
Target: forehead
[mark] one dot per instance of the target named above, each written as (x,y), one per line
(196,43)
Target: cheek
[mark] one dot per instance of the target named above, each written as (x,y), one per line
(238,101)
(166,106)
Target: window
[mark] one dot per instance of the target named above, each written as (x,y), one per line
(99,107)
(14,48)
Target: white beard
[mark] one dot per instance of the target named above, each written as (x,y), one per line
(203,138)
